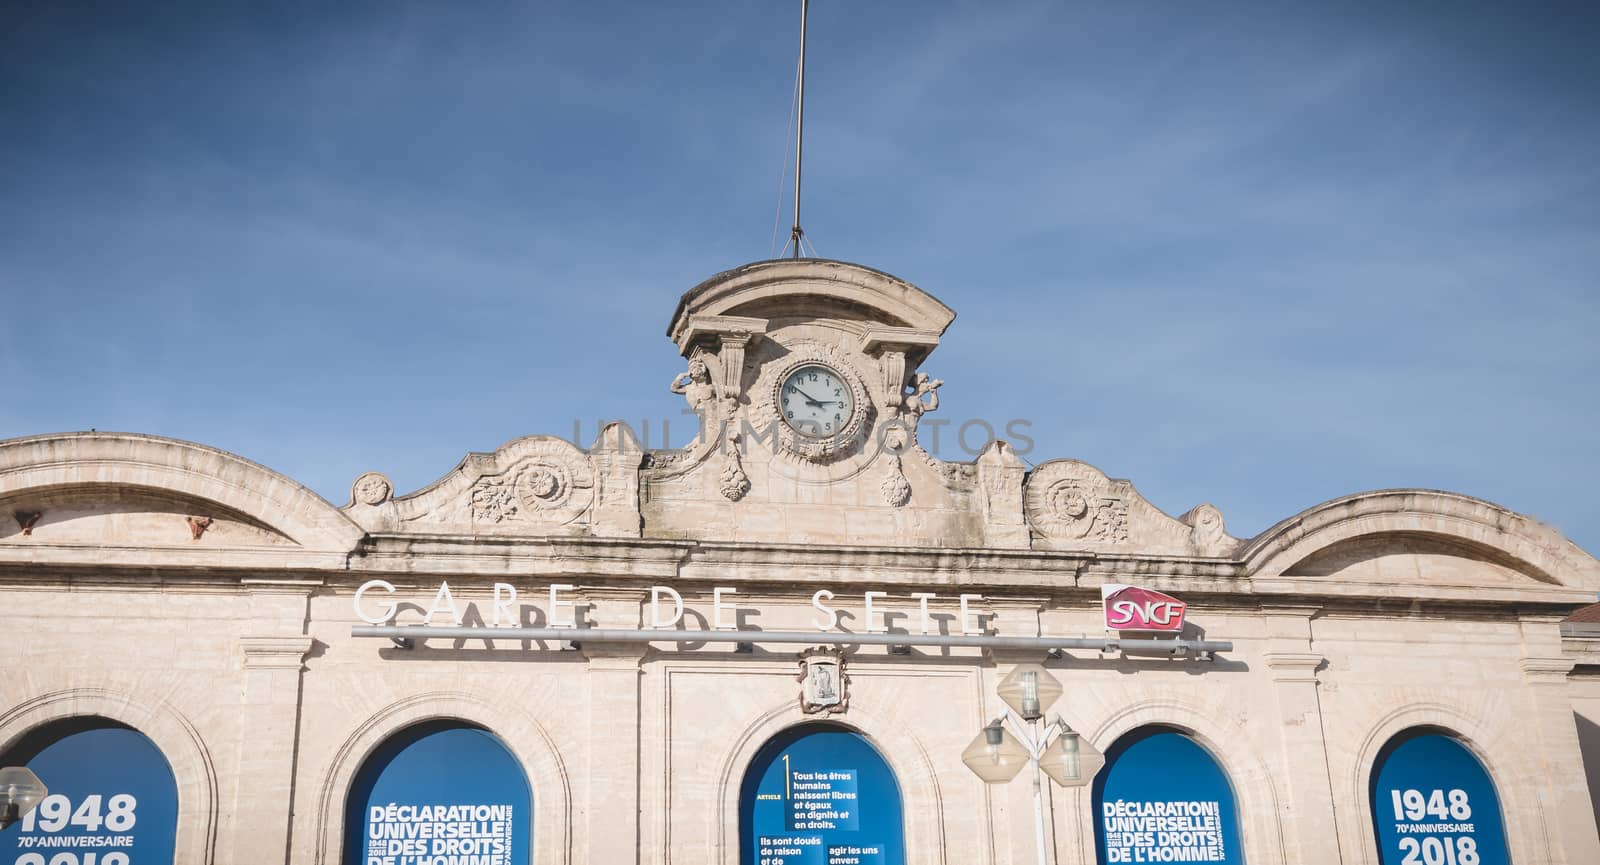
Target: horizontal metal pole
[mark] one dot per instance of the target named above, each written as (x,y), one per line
(834,638)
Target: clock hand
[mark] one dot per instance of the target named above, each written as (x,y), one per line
(816,402)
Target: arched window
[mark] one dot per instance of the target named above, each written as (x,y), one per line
(820,795)
(1163,798)
(439,791)
(1433,803)
(112,796)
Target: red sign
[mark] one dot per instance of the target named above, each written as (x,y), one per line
(1131,608)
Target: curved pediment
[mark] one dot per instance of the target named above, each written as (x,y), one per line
(1419,537)
(125,492)
(789,287)
(128,515)
(1415,559)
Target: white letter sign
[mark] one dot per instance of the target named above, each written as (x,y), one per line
(388,608)
(655,607)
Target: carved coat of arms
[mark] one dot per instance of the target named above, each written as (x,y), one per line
(824,684)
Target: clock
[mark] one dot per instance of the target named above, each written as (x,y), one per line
(815,404)
(816,401)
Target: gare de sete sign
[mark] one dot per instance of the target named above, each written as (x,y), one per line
(1125,608)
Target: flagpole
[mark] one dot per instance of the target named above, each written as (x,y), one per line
(796,233)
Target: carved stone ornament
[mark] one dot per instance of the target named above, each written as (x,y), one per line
(26,520)
(896,488)
(1074,501)
(1208,534)
(198,526)
(734,483)
(1073,505)
(920,396)
(824,683)
(698,388)
(767,400)
(372,488)
(552,486)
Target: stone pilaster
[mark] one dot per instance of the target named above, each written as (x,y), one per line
(1309,821)
(1000,475)
(613,784)
(616,456)
(1562,789)
(269,717)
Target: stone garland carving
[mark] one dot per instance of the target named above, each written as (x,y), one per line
(896,488)
(1072,501)
(549,486)
(735,483)
(492,500)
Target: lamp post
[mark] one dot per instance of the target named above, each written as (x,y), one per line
(997,755)
(20,790)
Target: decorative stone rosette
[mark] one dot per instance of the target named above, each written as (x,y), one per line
(371,489)
(553,485)
(1070,500)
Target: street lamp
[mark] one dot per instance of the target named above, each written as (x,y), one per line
(20,790)
(997,756)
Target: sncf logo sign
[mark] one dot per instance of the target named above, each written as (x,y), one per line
(1131,608)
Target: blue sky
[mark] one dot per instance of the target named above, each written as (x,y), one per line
(1257,254)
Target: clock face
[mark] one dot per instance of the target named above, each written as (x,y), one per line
(816,401)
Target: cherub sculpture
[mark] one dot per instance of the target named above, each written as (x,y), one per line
(920,396)
(696,387)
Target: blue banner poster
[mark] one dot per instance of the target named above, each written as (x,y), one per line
(1162,798)
(1433,804)
(436,795)
(820,796)
(113,801)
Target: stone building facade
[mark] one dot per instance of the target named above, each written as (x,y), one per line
(207,604)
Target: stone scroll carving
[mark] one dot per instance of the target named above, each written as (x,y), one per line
(531,486)
(542,488)
(1069,500)
(1207,532)
(547,482)
(1072,505)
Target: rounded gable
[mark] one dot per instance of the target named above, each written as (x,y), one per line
(78,464)
(1519,542)
(887,299)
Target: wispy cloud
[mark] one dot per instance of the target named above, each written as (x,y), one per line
(1241,252)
